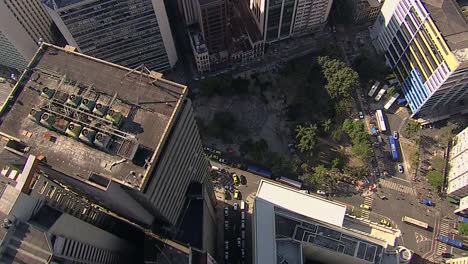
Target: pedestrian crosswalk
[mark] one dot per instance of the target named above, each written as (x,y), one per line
(397,187)
(369,200)
(444,229)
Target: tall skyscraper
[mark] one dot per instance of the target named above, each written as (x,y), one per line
(126,32)
(280,19)
(22,25)
(425,43)
(213,23)
(125,138)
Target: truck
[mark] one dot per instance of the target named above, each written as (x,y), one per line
(449,241)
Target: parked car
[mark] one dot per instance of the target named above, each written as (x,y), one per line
(446,255)
(226,245)
(226,212)
(366,207)
(427,201)
(320,192)
(385,222)
(226,225)
(235,206)
(221,160)
(235,178)
(395,134)
(226,255)
(400,168)
(361,115)
(237,195)
(243,180)
(243,225)
(239,242)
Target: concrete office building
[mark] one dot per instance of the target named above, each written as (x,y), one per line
(292,227)
(34,232)
(457,178)
(280,19)
(425,42)
(128,33)
(365,11)
(125,138)
(22,25)
(213,23)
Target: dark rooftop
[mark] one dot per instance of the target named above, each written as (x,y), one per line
(57,4)
(136,109)
(451,22)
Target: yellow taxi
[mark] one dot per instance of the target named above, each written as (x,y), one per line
(235,178)
(365,207)
(385,222)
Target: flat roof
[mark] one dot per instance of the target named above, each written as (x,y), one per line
(130,140)
(451,22)
(313,207)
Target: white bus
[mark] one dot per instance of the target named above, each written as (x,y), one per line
(381,93)
(379,115)
(415,222)
(373,89)
(391,101)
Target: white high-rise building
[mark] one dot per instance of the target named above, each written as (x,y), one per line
(458,174)
(280,19)
(22,25)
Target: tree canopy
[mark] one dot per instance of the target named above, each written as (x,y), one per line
(307,137)
(436,179)
(340,79)
(355,130)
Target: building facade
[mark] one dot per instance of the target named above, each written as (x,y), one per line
(427,54)
(212,19)
(457,177)
(281,19)
(365,11)
(23,24)
(128,33)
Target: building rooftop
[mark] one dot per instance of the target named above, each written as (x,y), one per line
(451,22)
(90,118)
(57,4)
(302,203)
(282,215)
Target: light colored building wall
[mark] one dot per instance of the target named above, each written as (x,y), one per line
(311,15)
(458,173)
(166,33)
(463,260)
(366,10)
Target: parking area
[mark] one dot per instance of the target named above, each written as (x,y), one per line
(236,224)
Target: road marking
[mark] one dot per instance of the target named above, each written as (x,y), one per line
(443,230)
(369,200)
(420,238)
(397,187)
(393,177)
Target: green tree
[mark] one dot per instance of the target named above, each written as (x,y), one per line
(357,173)
(411,128)
(362,149)
(463,228)
(307,137)
(316,178)
(327,125)
(446,132)
(340,79)
(436,180)
(336,162)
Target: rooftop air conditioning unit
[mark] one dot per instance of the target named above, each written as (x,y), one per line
(87,135)
(47,120)
(100,109)
(35,115)
(87,105)
(73,130)
(73,100)
(101,140)
(47,92)
(115,117)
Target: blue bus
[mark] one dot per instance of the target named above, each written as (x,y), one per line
(449,241)
(393,147)
(259,171)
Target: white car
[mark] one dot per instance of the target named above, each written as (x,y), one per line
(235,206)
(395,134)
(400,168)
(226,255)
(321,192)
(226,225)
(239,242)
(226,245)
(226,212)
(361,115)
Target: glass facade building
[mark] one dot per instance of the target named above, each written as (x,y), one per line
(125,32)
